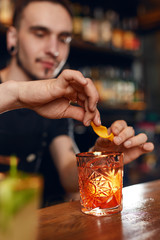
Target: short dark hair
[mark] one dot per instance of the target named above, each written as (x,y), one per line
(20,5)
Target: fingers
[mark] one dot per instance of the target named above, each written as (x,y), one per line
(76,113)
(83,86)
(117,127)
(92,116)
(132,146)
(92,95)
(135,152)
(79,114)
(68,76)
(121,131)
(124,135)
(125,141)
(148,147)
(136,140)
(130,141)
(88,94)
(88,115)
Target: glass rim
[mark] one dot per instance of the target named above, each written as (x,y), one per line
(98,153)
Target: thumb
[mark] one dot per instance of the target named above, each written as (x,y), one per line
(74,112)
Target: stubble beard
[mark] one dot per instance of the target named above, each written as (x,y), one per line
(33,77)
(23,68)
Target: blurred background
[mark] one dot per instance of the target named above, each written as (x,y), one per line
(117,44)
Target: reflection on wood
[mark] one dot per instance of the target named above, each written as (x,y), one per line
(140,218)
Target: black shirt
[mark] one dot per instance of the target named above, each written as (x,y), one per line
(27,135)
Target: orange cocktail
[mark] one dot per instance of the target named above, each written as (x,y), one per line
(100,182)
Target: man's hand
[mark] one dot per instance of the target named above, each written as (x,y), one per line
(52,98)
(124,141)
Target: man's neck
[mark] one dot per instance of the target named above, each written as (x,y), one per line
(13,72)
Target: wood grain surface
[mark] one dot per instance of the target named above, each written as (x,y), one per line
(139,219)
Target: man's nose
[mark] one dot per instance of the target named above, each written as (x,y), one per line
(53,46)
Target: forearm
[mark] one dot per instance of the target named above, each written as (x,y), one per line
(69,178)
(62,151)
(18,94)
(8,96)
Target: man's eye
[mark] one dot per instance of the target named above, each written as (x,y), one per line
(65,39)
(39,34)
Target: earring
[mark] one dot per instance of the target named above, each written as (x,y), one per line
(12,50)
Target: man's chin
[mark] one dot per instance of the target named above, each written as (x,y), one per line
(59,68)
(47,73)
(51,73)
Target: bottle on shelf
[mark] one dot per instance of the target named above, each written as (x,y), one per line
(105,28)
(90,29)
(116,86)
(131,42)
(117,32)
(137,70)
(6,11)
(77,21)
(86,24)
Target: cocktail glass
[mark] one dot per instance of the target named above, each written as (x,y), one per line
(19,199)
(100,182)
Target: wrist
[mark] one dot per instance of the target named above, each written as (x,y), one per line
(10,90)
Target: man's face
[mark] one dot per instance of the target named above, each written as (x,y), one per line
(43,39)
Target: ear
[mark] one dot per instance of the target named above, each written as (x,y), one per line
(11,38)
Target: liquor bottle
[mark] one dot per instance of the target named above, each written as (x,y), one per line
(130,86)
(94,27)
(86,24)
(117,32)
(139,95)
(128,36)
(6,11)
(105,30)
(77,21)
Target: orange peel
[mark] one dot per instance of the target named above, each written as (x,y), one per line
(102,132)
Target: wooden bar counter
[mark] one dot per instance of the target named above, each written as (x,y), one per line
(139,220)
